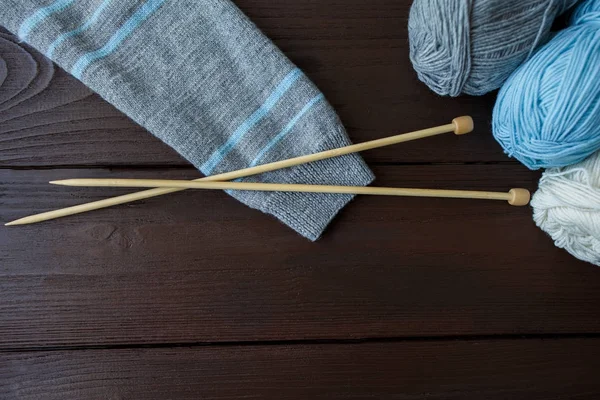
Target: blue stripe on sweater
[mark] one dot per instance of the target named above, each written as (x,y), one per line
(288,128)
(93,18)
(251,121)
(40,15)
(132,23)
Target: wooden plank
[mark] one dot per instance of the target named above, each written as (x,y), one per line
(495,369)
(196,267)
(355,51)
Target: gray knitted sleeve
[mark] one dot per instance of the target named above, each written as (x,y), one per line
(202,78)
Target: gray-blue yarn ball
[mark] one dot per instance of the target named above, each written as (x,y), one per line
(472,46)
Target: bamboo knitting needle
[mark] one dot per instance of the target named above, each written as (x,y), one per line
(459,126)
(515,197)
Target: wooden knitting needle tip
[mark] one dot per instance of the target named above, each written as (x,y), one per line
(515,197)
(24,221)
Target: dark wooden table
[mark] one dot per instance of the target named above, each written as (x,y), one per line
(196,296)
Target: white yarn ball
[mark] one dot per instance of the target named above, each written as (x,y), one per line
(567,207)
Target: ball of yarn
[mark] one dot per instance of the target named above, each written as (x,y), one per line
(567,207)
(472,46)
(548,112)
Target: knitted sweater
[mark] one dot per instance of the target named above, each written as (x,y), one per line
(201,77)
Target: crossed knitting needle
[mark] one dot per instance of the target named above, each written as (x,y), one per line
(459,126)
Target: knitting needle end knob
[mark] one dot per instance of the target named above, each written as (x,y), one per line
(462,125)
(519,197)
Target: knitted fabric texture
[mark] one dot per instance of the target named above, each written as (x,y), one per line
(202,78)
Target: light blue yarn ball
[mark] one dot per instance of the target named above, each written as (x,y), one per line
(548,112)
(472,46)
(586,11)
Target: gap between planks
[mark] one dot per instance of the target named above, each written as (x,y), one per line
(300,342)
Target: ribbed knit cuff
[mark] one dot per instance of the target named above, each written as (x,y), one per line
(310,213)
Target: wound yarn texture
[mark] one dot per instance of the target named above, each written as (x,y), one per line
(472,46)
(548,112)
(567,207)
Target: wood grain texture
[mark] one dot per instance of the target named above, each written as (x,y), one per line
(198,266)
(356,53)
(491,370)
